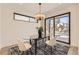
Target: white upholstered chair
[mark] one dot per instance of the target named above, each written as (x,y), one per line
(23,46)
(51,42)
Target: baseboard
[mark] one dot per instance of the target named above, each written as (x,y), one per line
(12,45)
(73,50)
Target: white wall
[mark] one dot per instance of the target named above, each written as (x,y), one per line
(0,27)
(73,8)
(78,27)
(11,29)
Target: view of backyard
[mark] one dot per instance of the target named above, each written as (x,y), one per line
(61,28)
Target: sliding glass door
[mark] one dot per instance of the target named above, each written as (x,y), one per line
(49,27)
(59,27)
(62,28)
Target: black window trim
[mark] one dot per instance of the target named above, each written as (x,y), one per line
(69,13)
(36,21)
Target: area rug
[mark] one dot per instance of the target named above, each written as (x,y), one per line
(43,49)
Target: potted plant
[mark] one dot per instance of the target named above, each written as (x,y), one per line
(40,30)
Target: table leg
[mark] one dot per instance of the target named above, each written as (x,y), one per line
(30,41)
(51,50)
(45,48)
(35,47)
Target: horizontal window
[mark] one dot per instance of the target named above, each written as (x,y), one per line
(21,17)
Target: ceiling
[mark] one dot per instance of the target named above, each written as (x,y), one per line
(31,8)
(34,8)
(45,6)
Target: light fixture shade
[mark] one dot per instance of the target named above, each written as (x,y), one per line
(40,16)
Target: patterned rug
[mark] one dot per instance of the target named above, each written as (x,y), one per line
(42,49)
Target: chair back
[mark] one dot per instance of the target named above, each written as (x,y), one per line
(21,44)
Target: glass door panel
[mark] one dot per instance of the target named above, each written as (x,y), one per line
(51,28)
(59,27)
(47,27)
(62,28)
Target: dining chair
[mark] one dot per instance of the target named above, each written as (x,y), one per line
(52,42)
(23,46)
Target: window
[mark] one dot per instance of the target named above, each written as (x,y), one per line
(33,20)
(62,28)
(59,27)
(21,17)
(47,27)
(51,28)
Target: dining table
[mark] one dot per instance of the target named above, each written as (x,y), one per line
(35,42)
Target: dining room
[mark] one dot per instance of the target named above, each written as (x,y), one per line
(39,29)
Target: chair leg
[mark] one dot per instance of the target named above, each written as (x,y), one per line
(22,52)
(51,50)
(30,51)
(44,48)
(19,52)
(11,53)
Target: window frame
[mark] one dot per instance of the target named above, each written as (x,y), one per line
(69,14)
(14,14)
